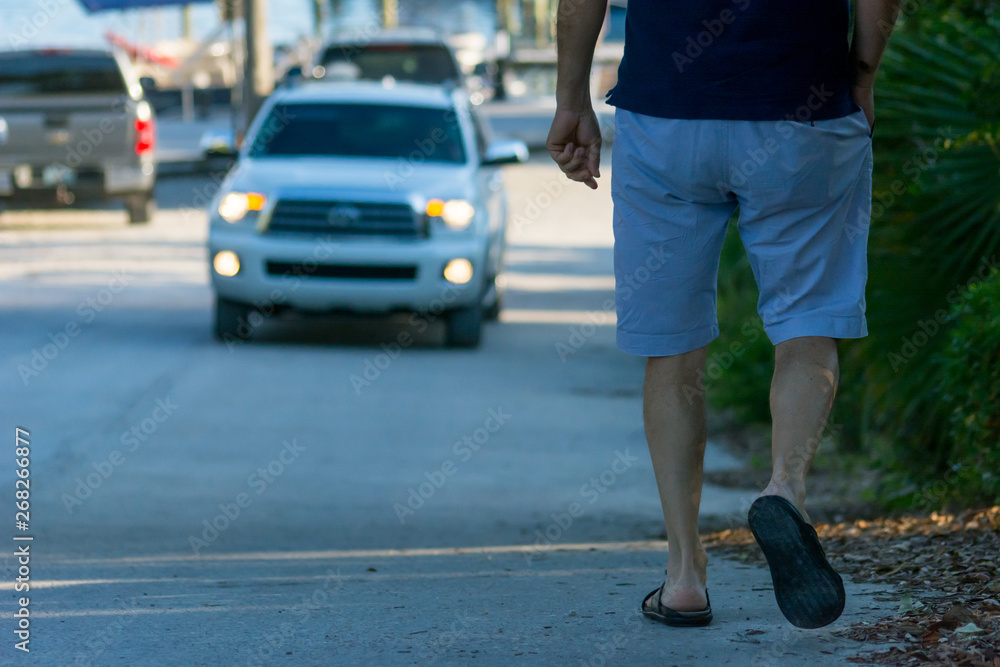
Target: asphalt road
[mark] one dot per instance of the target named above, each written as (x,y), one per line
(198,503)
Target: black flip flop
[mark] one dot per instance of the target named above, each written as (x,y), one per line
(809,592)
(678,619)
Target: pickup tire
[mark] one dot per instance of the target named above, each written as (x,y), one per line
(464,326)
(231,321)
(140,208)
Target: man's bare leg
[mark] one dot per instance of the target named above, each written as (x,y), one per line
(676,432)
(806,373)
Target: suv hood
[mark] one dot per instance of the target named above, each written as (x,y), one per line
(381,179)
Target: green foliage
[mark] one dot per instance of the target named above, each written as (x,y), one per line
(935,227)
(970,394)
(920,15)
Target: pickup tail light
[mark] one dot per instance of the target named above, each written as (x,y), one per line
(145,136)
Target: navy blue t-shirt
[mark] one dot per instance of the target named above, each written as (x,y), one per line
(736,59)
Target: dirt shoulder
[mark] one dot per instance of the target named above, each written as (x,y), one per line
(944,567)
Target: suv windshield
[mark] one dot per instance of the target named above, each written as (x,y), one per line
(424,63)
(360,130)
(39,73)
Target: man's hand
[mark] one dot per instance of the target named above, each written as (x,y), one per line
(873,22)
(864,97)
(575,138)
(574,142)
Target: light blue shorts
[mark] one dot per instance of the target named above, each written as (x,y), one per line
(804,194)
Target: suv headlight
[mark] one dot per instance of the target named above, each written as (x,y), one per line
(235,205)
(455,213)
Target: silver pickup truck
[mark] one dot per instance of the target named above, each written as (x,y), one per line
(78,129)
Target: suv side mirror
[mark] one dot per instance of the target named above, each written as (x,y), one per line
(505,151)
(148,83)
(219,143)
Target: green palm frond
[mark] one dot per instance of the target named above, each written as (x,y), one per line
(938,143)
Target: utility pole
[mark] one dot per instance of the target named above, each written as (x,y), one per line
(543,19)
(186,21)
(318,18)
(502,48)
(258,72)
(390,13)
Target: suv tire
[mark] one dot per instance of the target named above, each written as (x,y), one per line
(464,327)
(492,312)
(231,320)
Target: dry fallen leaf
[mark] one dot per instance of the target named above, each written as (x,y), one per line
(956,616)
(931,637)
(969,629)
(907,604)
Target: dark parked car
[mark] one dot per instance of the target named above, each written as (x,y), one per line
(405,54)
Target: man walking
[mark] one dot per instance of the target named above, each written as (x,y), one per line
(761,105)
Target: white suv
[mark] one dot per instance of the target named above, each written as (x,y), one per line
(366,197)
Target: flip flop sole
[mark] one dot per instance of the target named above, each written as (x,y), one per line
(809,591)
(677,619)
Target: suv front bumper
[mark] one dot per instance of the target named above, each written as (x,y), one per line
(347,274)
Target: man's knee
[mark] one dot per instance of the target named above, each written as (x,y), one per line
(677,369)
(813,350)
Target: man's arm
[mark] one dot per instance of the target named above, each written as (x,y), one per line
(574,140)
(873,23)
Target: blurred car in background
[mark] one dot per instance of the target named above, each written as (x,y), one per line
(365,197)
(418,55)
(80,129)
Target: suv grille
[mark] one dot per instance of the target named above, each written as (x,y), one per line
(306,216)
(359,272)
